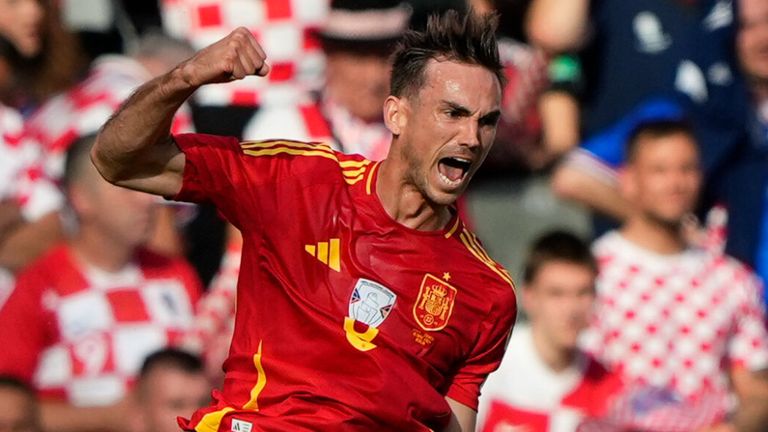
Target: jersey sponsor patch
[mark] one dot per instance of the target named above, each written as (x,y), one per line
(434,304)
(241,426)
(369,305)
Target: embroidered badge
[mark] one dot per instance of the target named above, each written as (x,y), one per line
(434,303)
(369,305)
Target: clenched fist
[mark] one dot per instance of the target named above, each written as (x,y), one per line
(232,58)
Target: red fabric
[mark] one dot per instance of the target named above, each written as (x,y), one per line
(290,198)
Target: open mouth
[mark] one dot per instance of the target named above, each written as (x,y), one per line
(453,169)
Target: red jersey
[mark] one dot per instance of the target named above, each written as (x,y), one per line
(81,334)
(346,320)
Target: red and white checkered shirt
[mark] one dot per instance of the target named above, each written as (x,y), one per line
(677,322)
(21,177)
(284,28)
(81,334)
(86,107)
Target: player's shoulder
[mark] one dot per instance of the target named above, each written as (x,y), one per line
(493,274)
(312,155)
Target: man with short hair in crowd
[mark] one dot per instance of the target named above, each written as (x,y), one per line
(171,383)
(684,325)
(545,381)
(81,318)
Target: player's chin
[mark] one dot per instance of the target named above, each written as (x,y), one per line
(445,196)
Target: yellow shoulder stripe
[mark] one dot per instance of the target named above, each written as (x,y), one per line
(353,170)
(284,143)
(470,242)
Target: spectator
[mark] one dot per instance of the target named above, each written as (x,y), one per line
(632,51)
(545,382)
(18,407)
(50,59)
(749,182)
(171,383)
(683,325)
(27,200)
(82,318)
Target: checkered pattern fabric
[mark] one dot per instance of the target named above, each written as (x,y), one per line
(676,322)
(21,176)
(86,107)
(284,28)
(654,409)
(86,332)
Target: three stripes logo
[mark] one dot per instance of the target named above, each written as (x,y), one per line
(328,253)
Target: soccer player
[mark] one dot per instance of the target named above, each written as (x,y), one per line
(680,322)
(545,381)
(364,302)
(171,383)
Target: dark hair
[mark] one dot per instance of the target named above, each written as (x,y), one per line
(656,129)
(469,39)
(173,358)
(77,159)
(557,246)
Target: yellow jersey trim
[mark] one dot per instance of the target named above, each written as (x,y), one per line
(371,174)
(261,382)
(211,421)
(479,253)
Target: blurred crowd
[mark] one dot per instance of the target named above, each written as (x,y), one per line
(116,308)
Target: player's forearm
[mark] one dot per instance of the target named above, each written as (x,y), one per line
(558,25)
(136,140)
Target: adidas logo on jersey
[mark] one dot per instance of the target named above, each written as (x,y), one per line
(327,252)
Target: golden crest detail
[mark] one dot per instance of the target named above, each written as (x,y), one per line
(434,303)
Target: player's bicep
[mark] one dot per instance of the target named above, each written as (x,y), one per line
(462,417)
(157,170)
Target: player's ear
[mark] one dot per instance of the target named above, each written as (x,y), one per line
(394,114)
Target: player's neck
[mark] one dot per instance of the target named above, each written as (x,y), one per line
(405,204)
(101,251)
(657,237)
(556,358)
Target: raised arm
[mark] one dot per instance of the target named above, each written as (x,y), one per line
(135,149)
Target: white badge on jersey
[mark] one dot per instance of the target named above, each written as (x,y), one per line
(371,302)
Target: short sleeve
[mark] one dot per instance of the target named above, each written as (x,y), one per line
(749,345)
(214,172)
(487,355)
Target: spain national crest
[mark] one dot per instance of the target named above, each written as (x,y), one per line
(434,304)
